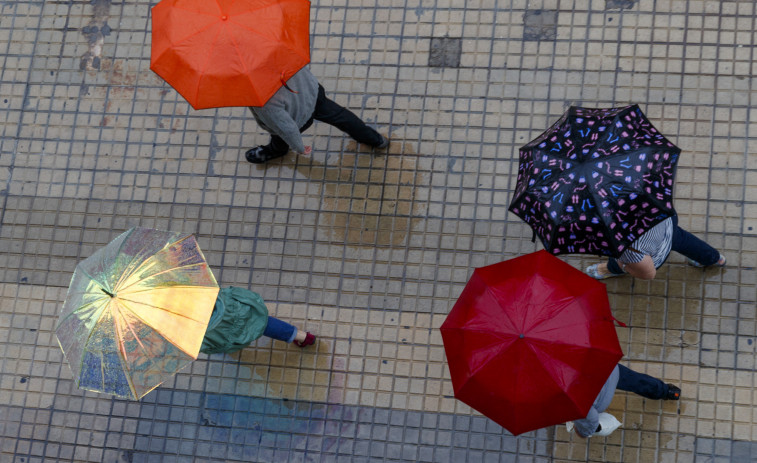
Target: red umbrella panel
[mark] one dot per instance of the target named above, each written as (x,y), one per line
(219,53)
(530,342)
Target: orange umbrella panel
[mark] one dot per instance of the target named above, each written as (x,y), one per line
(229,52)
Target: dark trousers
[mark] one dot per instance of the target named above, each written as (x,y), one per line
(332,113)
(280,330)
(641,384)
(683,243)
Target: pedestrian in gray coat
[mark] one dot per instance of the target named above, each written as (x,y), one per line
(292,110)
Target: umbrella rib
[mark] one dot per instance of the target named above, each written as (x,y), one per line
(87,274)
(205,67)
(554,381)
(84,351)
(126,306)
(245,27)
(489,290)
(246,70)
(306,58)
(76,310)
(135,268)
(192,33)
(178,267)
(500,350)
(131,267)
(155,307)
(125,362)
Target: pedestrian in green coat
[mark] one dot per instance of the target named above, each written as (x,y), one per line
(240,317)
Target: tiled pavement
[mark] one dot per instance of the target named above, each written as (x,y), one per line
(370,251)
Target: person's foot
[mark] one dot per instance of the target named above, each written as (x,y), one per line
(674,393)
(309,339)
(599,272)
(720,263)
(262,154)
(384,143)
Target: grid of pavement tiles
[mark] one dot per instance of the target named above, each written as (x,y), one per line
(370,251)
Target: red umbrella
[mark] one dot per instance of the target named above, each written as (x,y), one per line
(530,342)
(218,53)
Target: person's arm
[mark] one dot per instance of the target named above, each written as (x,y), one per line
(281,123)
(644,270)
(589,425)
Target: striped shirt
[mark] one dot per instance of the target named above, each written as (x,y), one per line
(655,242)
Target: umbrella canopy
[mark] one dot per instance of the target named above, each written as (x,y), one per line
(218,53)
(595,181)
(136,312)
(530,342)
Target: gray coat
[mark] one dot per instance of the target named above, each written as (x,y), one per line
(286,112)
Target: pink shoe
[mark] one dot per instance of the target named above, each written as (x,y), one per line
(309,339)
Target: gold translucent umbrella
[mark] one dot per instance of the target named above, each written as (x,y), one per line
(136,312)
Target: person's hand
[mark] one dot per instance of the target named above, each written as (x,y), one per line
(308,149)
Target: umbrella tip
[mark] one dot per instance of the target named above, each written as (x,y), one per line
(107,292)
(521,336)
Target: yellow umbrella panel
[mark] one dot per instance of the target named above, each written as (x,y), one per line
(136,312)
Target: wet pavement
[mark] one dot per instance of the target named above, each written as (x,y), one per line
(368,250)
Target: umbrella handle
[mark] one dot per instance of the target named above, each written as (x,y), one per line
(618,322)
(283,82)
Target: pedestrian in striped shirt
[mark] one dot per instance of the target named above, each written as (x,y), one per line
(650,250)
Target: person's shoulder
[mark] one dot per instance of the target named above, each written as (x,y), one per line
(306,79)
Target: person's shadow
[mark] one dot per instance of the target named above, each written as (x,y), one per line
(365,199)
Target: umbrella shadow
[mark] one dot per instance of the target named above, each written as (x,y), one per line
(367,199)
(274,370)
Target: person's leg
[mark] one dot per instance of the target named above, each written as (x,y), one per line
(692,247)
(641,384)
(275,148)
(332,113)
(283,331)
(280,330)
(613,267)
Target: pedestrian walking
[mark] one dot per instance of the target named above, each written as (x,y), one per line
(650,250)
(292,110)
(624,379)
(239,317)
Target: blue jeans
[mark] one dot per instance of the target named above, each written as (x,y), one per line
(281,330)
(683,243)
(641,384)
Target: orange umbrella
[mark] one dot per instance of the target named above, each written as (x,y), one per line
(218,53)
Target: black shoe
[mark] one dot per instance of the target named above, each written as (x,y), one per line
(262,154)
(384,143)
(674,393)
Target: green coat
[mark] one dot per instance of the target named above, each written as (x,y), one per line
(239,317)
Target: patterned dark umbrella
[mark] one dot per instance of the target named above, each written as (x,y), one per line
(595,181)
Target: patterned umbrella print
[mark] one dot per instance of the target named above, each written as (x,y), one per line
(595,181)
